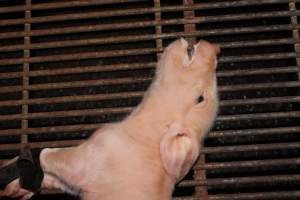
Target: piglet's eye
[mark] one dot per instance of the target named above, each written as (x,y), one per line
(200,99)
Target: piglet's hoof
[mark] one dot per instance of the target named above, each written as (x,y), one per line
(31,173)
(9,172)
(26,167)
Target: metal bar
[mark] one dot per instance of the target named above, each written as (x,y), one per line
(189,15)
(242,181)
(277,195)
(69,99)
(70,113)
(127,12)
(225,4)
(249,164)
(158,28)
(79,4)
(38,145)
(200,174)
(11,9)
(258,43)
(250,132)
(131,52)
(52,129)
(294,21)
(252,147)
(79,70)
(233,31)
(271,56)
(255,101)
(25,93)
(138,38)
(257,116)
(249,16)
(132,25)
(74,84)
(258,71)
(50,5)
(258,86)
(80,56)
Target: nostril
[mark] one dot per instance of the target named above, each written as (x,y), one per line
(200,99)
(190,51)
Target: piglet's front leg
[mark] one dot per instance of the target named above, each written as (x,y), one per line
(65,165)
(14,189)
(23,174)
(58,166)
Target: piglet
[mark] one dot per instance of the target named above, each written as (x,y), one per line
(146,154)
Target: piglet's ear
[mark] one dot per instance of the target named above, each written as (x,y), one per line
(178,151)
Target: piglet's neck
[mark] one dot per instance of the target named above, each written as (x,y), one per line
(128,196)
(149,121)
(159,105)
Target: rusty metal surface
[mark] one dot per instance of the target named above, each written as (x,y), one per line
(133,66)
(262,196)
(96,2)
(144,51)
(234,182)
(133,25)
(83,69)
(120,39)
(290,84)
(69,67)
(127,12)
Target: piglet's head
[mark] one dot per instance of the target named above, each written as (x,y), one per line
(184,65)
(185,72)
(187,75)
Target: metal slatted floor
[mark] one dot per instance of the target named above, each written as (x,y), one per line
(68,67)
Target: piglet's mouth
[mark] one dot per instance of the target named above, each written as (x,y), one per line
(190,51)
(190,48)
